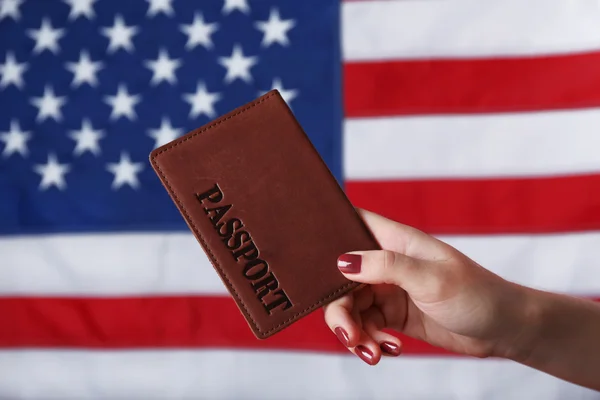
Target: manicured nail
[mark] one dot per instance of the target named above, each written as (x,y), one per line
(349,263)
(342,335)
(390,348)
(365,354)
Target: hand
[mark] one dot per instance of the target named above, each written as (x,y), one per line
(427,290)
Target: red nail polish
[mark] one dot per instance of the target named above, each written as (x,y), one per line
(390,348)
(342,335)
(349,263)
(365,354)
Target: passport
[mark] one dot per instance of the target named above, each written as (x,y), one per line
(266,210)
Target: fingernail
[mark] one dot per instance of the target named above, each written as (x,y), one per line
(342,335)
(365,354)
(390,348)
(349,263)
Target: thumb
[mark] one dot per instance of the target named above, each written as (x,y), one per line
(387,267)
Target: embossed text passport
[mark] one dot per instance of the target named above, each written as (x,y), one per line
(265,209)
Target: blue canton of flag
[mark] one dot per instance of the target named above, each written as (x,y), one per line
(89,87)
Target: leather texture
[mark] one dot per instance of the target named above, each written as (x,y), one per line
(266,210)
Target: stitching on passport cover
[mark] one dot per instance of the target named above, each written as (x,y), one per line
(205,245)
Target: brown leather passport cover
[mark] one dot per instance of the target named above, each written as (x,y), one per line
(266,210)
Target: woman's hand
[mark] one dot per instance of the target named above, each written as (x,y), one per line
(428,290)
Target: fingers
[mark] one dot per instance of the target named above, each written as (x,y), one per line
(367,349)
(339,318)
(361,332)
(373,323)
(388,267)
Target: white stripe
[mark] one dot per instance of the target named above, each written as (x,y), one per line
(558,262)
(97,264)
(129,264)
(267,375)
(415,29)
(527,144)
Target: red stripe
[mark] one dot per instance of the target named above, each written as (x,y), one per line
(484,206)
(156,322)
(380,88)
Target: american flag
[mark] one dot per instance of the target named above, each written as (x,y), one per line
(474,121)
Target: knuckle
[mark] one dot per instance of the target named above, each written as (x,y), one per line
(389,259)
(388,265)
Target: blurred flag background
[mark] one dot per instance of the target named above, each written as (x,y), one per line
(474,121)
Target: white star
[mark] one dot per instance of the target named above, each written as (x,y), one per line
(157,6)
(123,103)
(202,102)
(10,8)
(49,105)
(120,35)
(288,95)
(46,37)
(87,138)
(12,71)
(163,68)
(275,29)
(84,70)
(125,172)
(199,32)
(165,134)
(231,5)
(53,173)
(81,7)
(15,140)
(237,65)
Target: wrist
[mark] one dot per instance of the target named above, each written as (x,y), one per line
(527,313)
(559,336)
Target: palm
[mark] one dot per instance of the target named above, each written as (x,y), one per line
(460,336)
(430,322)
(437,321)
